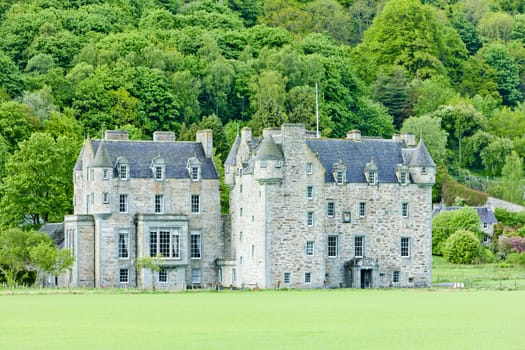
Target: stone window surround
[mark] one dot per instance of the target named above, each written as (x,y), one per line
(359,246)
(362,209)
(396,276)
(105,174)
(347,216)
(309,168)
(307,277)
(309,249)
(195,204)
(105,197)
(195,245)
(196,276)
(404,209)
(287,277)
(165,239)
(310,219)
(332,246)
(163,276)
(123,172)
(310,192)
(123,203)
(330,209)
(158,204)
(405,247)
(124,276)
(123,244)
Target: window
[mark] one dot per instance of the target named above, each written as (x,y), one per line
(105,174)
(339,177)
(395,277)
(347,217)
(123,173)
(159,174)
(240,212)
(195,172)
(359,245)
(159,203)
(164,242)
(278,163)
(240,188)
(372,178)
(405,247)
(195,204)
(308,169)
(195,245)
(307,277)
(362,209)
(234,275)
(404,210)
(92,174)
(310,248)
(240,236)
(105,197)
(286,278)
(253,250)
(264,163)
(330,209)
(310,192)
(123,203)
(403,178)
(423,171)
(310,218)
(124,276)
(123,244)
(485,225)
(163,276)
(332,246)
(486,239)
(196,276)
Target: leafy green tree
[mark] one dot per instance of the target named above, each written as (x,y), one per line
(285,14)
(495,26)
(430,129)
(507,72)
(493,156)
(518,32)
(472,147)
(467,31)
(151,264)
(16,122)
(512,178)
(447,223)
(218,82)
(462,247)
(47,259)
(409,34)
(40,63)
(479,78)
(37,188)
(392,90)
(249,10)
(11,80)
(508,123)
(186,90)
(328,16)
(430,94)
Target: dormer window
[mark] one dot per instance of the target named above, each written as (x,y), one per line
(158,168)
(194,169)
(123,168)
(371,172)
(402,174)
(339,173)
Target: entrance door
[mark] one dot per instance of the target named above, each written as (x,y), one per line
(366,278)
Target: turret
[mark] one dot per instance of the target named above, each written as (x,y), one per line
(268,160)
(421,166)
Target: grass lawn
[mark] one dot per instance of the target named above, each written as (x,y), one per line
(317,319)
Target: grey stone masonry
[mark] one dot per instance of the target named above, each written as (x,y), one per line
(145,199)
(313,213)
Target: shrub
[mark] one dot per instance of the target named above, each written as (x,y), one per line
(446,223)
(452,189)
(516,259)
(486,256)
(462,247)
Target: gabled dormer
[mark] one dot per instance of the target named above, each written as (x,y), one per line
(403,174)
(194,168)
(371,172)
(339,173)
(122,168)
(158,168)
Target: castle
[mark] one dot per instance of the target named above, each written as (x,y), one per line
(305,212)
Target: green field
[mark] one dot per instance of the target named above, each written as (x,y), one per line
(318,319)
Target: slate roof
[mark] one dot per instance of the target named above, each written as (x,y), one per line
(485,214)
(232,155)
(387,154)
(141,153)
(419,156)
(269,150)
(55,231)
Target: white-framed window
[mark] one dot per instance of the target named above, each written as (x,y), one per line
(123,276)
(332,246)
(330,209)
(486,239)
(310,192)
(241,259)
(405,247)
(278,163)
(372,177)
(359,246)
(164,242)
(195,173)
(159,172)
(339,177)
(485,225)
(287,278)
(159,204)
(234,275)
(195,245)
(196,276)
(396,277)
(309,248)
(240,211)
(404,209)
(105,174)
(123,171)
(163,276)
(105,197)
(240,188)
(403,177)
(123,203)
(310,218)
(309,169)
(362,209)
(307,277)
(347,217)
(92,174)
(195,204)
(123,244)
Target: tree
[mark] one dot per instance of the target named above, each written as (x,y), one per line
(47,259)
(430,94)
(16,122)
(38,186)
(430,129)
(496,26)
(512,178)
(11,80)
(467,31)
(391,89)
(493,156)
(218,81)
(445,223)
(151,264)
(462,247)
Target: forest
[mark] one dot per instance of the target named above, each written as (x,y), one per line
(451,71)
